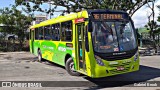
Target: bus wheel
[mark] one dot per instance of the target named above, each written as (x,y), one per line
(70,67)
(40,56)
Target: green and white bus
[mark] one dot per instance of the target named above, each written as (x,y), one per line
(97,43)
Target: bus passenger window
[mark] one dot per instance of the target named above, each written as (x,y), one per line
(66,31)
(47,35)
(40,37)
(55,32)
(36,33)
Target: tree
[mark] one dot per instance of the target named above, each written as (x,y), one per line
(7,20)
(152,24)
(159,14)
(72,5)
(15,22)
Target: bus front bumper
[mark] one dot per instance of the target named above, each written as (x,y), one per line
(110,70)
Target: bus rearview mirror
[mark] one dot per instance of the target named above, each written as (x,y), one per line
(90,27)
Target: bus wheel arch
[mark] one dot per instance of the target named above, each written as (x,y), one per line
(69,65)
(67,57)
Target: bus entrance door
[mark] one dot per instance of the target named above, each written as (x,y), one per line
(81,46)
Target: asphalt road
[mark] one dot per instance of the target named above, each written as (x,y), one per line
(23,66)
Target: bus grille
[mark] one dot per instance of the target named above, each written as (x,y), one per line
(122,64)
(115,71)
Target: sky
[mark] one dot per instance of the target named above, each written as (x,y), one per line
(139,18)
(6,3)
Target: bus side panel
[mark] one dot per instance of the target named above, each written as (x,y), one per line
(49,50)
(62,51)
(31,41)
(90,62)
(55,51)
(30,46)
(37,44)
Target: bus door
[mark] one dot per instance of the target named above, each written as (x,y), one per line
(32,41)
(81,46)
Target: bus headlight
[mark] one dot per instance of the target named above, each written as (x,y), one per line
(136,56)
(99,61)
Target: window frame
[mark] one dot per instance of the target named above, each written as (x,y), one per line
(56,31)
(63,37)
(48,32)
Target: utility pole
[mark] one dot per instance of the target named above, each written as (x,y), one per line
(50,7)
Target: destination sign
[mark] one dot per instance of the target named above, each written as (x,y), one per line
(107,16)
(79,20)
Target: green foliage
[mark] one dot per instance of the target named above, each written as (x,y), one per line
(14,22)
(159,14)
(7,19)
(157,31)
(159,18)
(72,5)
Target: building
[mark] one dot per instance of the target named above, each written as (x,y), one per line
(145,39)
(39,18)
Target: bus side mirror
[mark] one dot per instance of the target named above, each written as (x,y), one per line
(90,27)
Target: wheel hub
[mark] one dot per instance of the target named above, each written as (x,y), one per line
(72,67)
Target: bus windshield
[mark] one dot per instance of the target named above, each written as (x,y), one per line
(113,36)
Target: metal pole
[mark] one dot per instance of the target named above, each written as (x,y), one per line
(50,8)
(141,40)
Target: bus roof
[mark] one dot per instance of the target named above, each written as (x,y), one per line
(105,10)
(82,14)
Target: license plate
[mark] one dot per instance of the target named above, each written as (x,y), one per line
(120,68)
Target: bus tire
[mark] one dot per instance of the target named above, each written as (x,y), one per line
(40,59)
(70,67)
